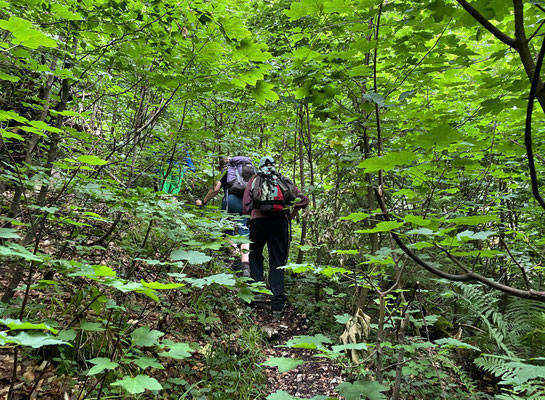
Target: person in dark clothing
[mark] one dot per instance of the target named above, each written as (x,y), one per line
(269,225)
(233,205)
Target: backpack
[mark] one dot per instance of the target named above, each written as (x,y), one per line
(170,177)
(272,194)
(239,171)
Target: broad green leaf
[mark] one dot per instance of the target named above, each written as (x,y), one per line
(67,335)
(470,235)
(6,77)
(34,340)
(138,384)
(191,256)
(43,126)
(18,251)
(263,91)
(9,233)
(474,220)
(91,160)
(25,35)
(455,343)
(280,395)
(417,220)
(12,115)
(15,324)
(376,98)
(10,135)
(64,12)
(161,286)
(371,390)
(246,295)
(388,162)
(284,364)
(92,327)
(308,342)
(355,217)
(145,337)
(101,364)
(178,351)
(384,226)
(439,137)
(342,319)
(147,362)
(234,28)
(219,279)
(350,346)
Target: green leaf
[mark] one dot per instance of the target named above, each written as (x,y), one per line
(439,137)
(263,91)
(6,77)
(10,135)
(43,126)
(355,217)
(144,336)
(15,324)
(147,362)
(16,250)
(192,256)
(350,346)
(308,342)
(25,35)
(388,162)
(9,233)
(34,340)
(376,98)
(361,389)
(92,160)
(178,351)
(92,327)
(417,220)
(138,384)
(342,319)
(161,286)
(284,364)
(280,395)
(12,115)
(384,226)
(474,220)
(246,295)
(101,364)
(470,235)
(455,343)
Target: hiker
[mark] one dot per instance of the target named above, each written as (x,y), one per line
(267,198)
(237,172)
(171,175)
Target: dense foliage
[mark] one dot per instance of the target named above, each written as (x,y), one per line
(410,126)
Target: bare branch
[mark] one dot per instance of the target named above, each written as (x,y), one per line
(487,24)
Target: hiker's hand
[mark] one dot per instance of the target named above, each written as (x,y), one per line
(198,202)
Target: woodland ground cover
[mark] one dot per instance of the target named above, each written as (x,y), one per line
(415,127)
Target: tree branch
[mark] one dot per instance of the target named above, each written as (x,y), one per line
(468,276)
(528,129)
(487,24)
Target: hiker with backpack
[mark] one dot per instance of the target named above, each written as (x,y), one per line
(268,198)
(171,175)
(237,172)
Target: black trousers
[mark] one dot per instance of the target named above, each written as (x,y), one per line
(274,233)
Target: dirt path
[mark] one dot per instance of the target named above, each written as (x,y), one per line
(317,376)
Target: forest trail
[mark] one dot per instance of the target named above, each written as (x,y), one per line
(317,376)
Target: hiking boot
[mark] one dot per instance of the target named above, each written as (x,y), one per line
(245,270)
(259,298)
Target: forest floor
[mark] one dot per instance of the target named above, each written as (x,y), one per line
(317,376)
